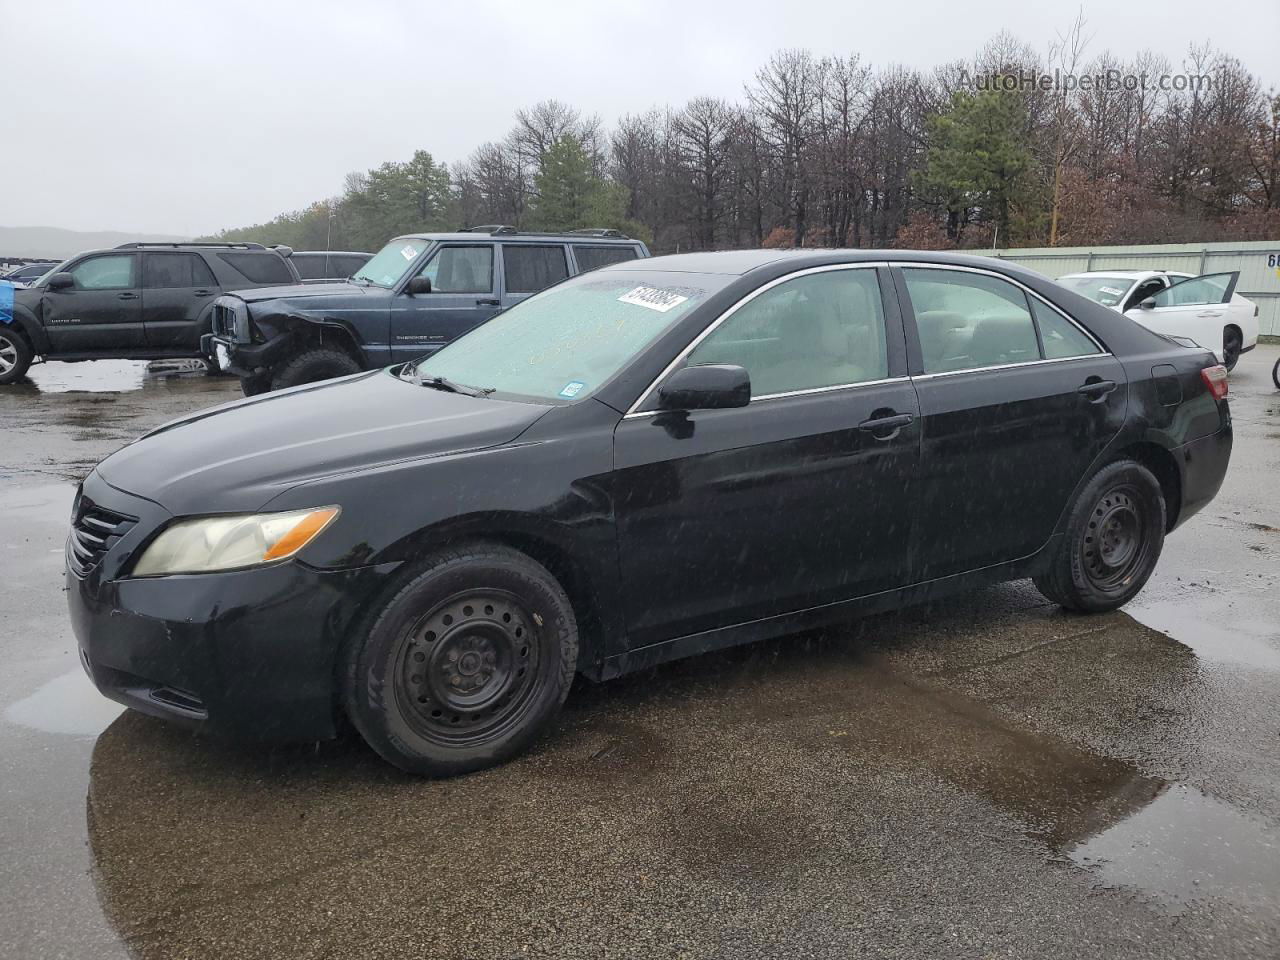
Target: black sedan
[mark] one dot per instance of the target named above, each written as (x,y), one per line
(644,462)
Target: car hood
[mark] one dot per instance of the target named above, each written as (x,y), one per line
(295,291)
(241,455)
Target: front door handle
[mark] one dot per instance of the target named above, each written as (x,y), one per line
(1096,390)
(202,293)
(127,296)
(489,302)
(886,427)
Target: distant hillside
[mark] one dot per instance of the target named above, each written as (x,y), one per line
(57,243)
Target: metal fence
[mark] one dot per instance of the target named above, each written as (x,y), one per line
(1258,262)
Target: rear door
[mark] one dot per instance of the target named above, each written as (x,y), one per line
(1016,401)
(101,311)
(464,293)
(176,289)
(530,267)
(803,497)
(1195,308)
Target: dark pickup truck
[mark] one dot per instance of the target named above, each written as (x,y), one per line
(414,296)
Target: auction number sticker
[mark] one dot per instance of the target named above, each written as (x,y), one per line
(652,298)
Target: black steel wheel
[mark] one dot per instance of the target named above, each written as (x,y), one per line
(1113,538)
(1232,344)
(465,665)
(466,670)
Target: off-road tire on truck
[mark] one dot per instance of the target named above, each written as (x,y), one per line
(465,665)
(252,386)
(1115,532)
(15,355)
(310,366)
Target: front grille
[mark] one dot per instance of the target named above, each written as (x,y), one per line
(223,321)
(94,531)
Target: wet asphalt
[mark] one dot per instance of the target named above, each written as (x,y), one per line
(986,777)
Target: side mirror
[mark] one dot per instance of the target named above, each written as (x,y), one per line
(419,285)
(710,386)
(1148,304)
(60,281)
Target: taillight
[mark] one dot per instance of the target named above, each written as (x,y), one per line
(1215,378)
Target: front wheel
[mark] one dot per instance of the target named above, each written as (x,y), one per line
(15,356)
(311,366)
(1275,374)
(1114,536)
(465,665)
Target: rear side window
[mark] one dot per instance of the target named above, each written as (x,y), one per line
(970,320)
(258,267)
(308,267)
(1061,338)
(593,257)
(111,272)
(530,269)
(167,270)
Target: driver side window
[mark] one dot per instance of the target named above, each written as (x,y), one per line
(111,272)
(821,330)
(461,270)
(1212,288)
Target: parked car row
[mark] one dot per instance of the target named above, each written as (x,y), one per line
(647,461)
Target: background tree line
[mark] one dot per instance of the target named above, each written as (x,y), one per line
(831,151)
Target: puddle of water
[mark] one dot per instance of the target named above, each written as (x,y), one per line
(1186,846)
(68,704)
(1227,640)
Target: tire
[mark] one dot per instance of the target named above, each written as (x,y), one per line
(310,366)
(1114,536)
(15,355)
(1275,374)
(465,665)
(1232,343)
(252,386)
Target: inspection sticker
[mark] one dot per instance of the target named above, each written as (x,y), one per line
(653,298)
(572,388)
(408,252)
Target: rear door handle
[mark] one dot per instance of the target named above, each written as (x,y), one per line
(202,293)
(488,303)
(1209,314)
(1096,390)
(886,428)
(127,296)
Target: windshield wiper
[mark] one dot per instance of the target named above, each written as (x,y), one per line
(440,383)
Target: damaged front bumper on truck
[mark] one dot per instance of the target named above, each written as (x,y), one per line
(230,343)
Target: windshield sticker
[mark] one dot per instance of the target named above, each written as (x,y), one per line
(572,388)
(408,252)
(652,298)
(1111,290)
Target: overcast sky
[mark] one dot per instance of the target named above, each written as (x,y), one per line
(183,117)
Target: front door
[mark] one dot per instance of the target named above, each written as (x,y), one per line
(1195,308)
(799,499)
(176,288)
(463,294)
(1016,402)
(101,311)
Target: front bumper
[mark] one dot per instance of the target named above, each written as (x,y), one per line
(250,653)
(243,359)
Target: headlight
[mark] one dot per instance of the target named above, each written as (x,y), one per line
(232,542)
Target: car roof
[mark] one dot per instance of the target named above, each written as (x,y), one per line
(738,262)
(1121,274)
(483,237)
(330,253)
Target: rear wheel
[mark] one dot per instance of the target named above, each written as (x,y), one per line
(465,665)
(311,366)
(1232,343)
(15,355)
(1114,536)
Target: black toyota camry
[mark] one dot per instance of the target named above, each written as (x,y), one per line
(649,461)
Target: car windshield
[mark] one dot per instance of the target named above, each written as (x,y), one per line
(1104,290)
(390,263)
(565,342)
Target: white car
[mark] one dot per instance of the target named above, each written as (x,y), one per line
(1204,309)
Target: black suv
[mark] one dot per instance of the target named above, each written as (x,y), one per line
(138,301)
(418,293)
